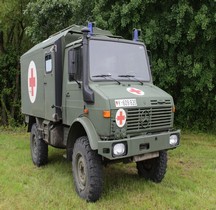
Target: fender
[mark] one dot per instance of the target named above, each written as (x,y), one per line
(90,131)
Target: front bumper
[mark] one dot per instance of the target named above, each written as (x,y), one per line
(138,145)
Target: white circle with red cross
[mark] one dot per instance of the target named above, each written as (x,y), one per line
(32,81)
(135,91)
(120,118)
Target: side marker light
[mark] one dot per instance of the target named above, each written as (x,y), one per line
(106,114)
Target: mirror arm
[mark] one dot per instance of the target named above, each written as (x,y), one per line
(79,85)
(71,78)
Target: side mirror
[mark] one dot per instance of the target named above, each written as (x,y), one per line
(72,64)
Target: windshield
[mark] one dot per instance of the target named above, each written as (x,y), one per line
(122,61)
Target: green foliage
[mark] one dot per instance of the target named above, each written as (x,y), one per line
(48,17)
(181,36)
(12,44)
(13,23)
(9,96)
(83,12)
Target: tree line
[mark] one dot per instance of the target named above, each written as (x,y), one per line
(180,35)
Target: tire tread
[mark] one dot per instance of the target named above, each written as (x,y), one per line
(158,171)
(42,148)
(94,190)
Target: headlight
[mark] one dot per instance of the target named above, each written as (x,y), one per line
(119,149)
(173,140)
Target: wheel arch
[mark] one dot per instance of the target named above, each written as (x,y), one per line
(30,120)
(82,127)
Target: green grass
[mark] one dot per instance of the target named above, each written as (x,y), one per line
(190,181)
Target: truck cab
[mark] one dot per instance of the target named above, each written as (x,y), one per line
(91,92)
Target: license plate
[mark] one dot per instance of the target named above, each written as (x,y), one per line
(125,102)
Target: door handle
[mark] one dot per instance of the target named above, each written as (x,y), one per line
(67,94)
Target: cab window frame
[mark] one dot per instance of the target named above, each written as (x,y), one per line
(75,60)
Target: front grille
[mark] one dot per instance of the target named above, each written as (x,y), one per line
(151,118)
(148,119)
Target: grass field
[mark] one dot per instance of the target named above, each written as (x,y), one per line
(190,181)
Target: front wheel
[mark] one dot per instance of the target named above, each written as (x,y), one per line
(87,170)
(153,169)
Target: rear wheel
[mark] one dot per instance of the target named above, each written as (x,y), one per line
(87,170)
(39,149)
(153,169)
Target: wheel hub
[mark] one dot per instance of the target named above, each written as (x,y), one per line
(81,172)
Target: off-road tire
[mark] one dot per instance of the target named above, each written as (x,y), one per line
(153,169)
(87,170)
(39,149)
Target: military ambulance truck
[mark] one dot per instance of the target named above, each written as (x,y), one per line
(91,92)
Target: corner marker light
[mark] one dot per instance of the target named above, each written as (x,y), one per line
(106,114)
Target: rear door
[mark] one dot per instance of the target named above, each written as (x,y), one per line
(49,83)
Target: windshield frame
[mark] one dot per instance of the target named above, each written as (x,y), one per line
(123,79)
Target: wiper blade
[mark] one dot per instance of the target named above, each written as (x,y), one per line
(102,75)
(126,75)
(105,76)
(131,76)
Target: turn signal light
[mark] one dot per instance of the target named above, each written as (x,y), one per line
(106,114)
(173,109)
(85,111)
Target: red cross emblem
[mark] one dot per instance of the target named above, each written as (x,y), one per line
(120,118)
(135,91)
(32,81)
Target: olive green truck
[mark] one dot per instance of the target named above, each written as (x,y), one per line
(91,92)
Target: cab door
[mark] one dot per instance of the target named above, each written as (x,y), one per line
(74,104)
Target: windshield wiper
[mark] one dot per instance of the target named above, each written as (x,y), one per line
(105,76)
(102,75)
(130,76)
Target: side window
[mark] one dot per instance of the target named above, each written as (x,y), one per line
(48,63)
(75,64)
